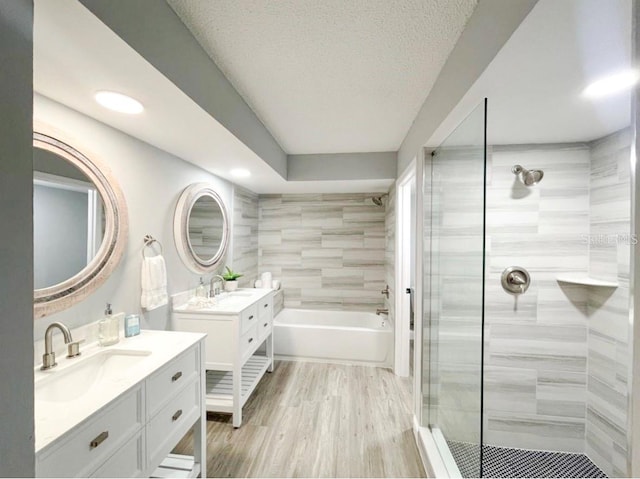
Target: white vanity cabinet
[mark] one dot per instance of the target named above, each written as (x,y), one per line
(132,433)
(239,346)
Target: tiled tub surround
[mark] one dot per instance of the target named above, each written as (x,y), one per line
(556,359)
(245,236)
(390,251)
(327,249)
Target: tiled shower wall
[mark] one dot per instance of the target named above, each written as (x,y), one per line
(608,341)
(536,343)
(556,357)
(327,249)
(245,236)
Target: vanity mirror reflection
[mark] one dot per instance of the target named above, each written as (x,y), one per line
(201,228)
(79,224)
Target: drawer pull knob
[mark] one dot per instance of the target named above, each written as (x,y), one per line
(176,376)
(99,439)
(266,305)
(250,317)
(177,414)
(265,324)
(250,339)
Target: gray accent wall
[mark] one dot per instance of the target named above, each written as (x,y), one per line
(608,328)
(342,166)
(245,236)
(17,457)
(327,249)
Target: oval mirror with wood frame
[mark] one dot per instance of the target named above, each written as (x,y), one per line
(201,228)
(80,223)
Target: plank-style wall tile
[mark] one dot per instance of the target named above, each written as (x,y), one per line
(245,236)
(329,250)
(609,243)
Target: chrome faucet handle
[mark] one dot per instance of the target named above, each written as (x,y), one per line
(73,348)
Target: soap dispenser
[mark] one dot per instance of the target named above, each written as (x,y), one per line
(108,328)
(201,290)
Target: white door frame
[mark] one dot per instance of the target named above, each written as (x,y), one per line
(403,270)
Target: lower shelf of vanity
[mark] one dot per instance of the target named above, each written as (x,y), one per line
(177,466)
(219,389)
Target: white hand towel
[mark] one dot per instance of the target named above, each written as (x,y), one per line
(266,280)
(154,283)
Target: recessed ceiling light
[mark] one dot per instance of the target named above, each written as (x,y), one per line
(119,102)
(612,84)
(240,173)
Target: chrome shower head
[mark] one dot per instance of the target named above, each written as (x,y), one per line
(527,177)
(378,200)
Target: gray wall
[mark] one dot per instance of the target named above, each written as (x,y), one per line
(608,332)
(60,222)
(152,181)
(245,235)
(328,249)
(342,166)
(17,457)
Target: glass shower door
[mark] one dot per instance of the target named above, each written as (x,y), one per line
(453,303)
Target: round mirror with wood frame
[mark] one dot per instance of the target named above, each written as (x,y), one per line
(113,228)
(201,228)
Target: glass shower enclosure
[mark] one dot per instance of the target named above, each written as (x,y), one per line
(453,285)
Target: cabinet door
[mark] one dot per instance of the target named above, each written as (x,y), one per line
(91,444)
(128,461)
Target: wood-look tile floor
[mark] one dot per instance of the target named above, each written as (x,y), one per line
(317,420)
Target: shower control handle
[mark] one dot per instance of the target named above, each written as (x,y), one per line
(515,280)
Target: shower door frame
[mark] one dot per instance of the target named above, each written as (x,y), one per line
(439,464)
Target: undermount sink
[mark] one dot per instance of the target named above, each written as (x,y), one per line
(75,380)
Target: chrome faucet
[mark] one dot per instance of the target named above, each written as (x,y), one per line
(49,357)
(380,311)
(386,291)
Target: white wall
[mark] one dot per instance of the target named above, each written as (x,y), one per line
(151,181)
(17,456)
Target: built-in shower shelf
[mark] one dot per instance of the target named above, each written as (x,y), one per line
(586,281)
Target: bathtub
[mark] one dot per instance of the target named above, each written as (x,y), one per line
(349,337)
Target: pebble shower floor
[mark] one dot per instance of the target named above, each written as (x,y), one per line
(509,462)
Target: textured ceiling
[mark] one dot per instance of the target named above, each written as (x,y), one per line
(334,75)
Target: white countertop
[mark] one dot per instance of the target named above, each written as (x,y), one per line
(53,419)
(227,303)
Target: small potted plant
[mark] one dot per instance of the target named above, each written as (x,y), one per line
(230,279)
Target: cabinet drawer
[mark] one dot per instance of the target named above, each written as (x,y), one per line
(164,384)
(265,307)
(248,318)
(172,422)
(95,441)
(249,340)
(128,461)
(264,328)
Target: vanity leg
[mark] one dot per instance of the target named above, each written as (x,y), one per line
(200,427)
(237,384)
(270,352)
